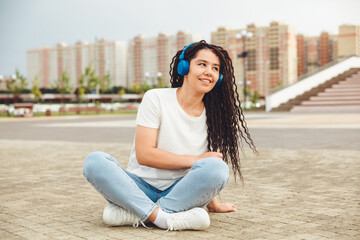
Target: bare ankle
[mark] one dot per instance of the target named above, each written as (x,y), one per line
(153,215)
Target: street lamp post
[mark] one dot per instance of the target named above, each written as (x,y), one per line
(243,36)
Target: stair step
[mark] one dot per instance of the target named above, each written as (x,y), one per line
(319,109)
(351,82)
(357,75)
(336,94)
(343,96)
(353,78)
(335,98)
(330,103)
(345,86)
(348,83)
(342,90)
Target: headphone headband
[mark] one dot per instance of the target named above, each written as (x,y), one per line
(184,65)
(182,55)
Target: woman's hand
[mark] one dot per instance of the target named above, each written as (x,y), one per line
(216,154)
(215,206)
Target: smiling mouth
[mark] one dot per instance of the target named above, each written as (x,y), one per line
(205,80)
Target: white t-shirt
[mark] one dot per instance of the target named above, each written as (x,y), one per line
(178,133)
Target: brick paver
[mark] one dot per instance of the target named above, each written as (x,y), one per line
(288,194)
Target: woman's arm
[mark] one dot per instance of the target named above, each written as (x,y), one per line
(215,206)
(147,154)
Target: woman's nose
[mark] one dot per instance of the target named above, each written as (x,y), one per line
(208,71)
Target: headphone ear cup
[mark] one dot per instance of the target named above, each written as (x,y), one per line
(219,80)
(183,67)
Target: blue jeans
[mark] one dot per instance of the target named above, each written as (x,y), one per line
(206,178)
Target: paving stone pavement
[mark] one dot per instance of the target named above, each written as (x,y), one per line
(287,194)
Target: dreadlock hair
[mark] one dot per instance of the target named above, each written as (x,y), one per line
(226,125)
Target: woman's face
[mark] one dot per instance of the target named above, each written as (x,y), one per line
(204,71)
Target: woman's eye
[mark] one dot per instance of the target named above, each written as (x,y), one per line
(202,64)
(216,69)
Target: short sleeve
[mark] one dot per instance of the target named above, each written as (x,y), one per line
(149,114)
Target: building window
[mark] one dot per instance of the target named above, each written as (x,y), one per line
(251,58)
(274,58)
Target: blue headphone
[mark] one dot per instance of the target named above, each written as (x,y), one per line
(183,65)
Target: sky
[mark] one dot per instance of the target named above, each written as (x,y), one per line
(31,24)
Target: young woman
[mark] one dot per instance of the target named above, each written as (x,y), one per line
(185,137)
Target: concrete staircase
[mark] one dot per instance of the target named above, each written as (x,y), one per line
(343,96)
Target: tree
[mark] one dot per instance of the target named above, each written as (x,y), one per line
(36,89)
(247,92)
(121,91)
(255,97)
(88,79)
(135,88)
(105,82)
(63,85)
(144,87)
(80,93)
(17,85)
(160,82)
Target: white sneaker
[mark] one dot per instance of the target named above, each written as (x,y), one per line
(117,216)
(195,219)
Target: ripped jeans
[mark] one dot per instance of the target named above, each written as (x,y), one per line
(206,178)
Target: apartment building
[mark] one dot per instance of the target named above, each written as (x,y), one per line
(149,58)
(328,48)
(317,51)
(104,56)
(314,52)
(349,40)
(271,55)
